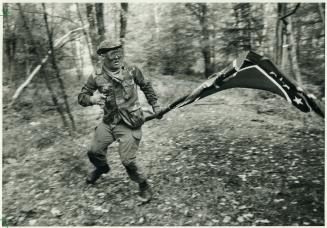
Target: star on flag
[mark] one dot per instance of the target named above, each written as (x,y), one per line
(286,86)
(298,100)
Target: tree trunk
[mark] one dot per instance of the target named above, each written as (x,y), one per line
(321,12)
(298,39)
(278,35)
(289,62)
(206,52)
(246,10)
(243,23)
(92,32)
(45,75)
(280,31)
(86,37)
(55,67)
(285,63)
(100,21)
(76,57)
(116,20)
(81,58)
(265,41)
(293,53)
(284,56)
(10,41)
(123,22)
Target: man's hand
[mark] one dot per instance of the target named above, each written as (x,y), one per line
(157,109)
(98,99)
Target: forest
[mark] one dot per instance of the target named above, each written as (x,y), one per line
(239,157)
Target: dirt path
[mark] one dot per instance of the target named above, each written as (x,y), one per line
(225,160)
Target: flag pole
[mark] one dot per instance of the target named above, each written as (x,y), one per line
(167,109)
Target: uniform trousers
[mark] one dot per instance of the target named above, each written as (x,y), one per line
(129,140)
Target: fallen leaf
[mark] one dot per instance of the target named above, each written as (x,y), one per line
(54,211)
(248,215)
(262,221)
(97,208)
(187,213)
(101,194)
(141,220)
(278,200)
(240,219)
(34,123)
(32,222)
(227,219)
(243,177)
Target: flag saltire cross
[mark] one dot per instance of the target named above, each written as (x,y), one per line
(254,71)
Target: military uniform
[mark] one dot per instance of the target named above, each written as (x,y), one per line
(123,116)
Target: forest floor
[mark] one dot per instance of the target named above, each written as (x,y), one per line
(234,158)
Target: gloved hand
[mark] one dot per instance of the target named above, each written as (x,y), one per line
(98,99)
(157,109)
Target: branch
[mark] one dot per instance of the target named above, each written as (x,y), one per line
(28,80)
(57,44)
(67,41)
(61,17)
(289,14)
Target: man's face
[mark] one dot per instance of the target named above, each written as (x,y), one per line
(114,58)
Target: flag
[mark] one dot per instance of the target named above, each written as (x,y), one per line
(251,70)
(254,71)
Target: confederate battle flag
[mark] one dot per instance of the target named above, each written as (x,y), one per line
(253,71)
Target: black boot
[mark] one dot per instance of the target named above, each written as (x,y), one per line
(95,174)
(145,194)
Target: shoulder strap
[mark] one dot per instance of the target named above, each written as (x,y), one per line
(98,69)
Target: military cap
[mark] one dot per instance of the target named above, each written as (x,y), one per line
(108,45)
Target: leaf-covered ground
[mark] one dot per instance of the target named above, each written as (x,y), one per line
(234,158)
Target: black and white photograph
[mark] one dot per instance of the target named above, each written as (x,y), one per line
(163,113)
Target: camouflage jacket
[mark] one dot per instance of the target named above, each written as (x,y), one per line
(122,101)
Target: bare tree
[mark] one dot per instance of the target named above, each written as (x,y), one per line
(123,22)
(286,53)
(243,23)
(201,12)
(264,43)
(44,74)
(100,21)
(116,18)
(280,33)
(96,25)
(59,43)
(55,66)
(10,41)
(86,36)
(76,58)
(92,26)
(292,51)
